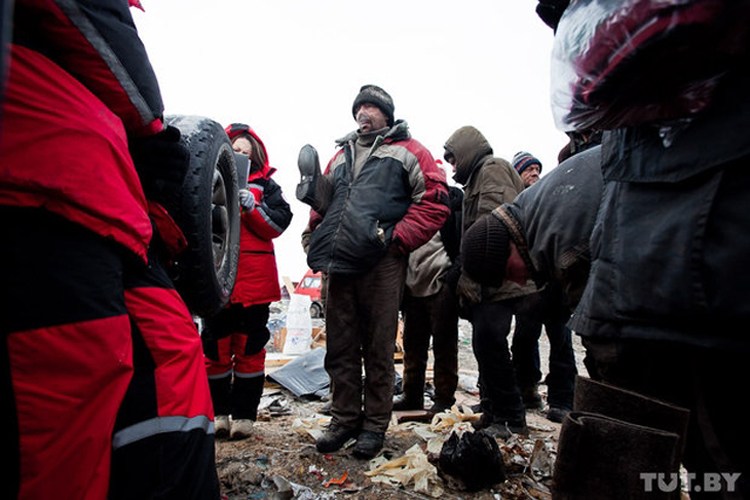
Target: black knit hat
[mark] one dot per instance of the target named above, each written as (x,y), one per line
(377,96)
(485,249)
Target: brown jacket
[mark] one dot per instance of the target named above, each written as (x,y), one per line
(488,183)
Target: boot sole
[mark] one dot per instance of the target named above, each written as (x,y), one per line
(308,164)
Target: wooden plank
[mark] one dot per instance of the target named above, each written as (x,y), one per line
(412,416)
(288,285)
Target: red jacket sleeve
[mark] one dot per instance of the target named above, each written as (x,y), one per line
(429,209)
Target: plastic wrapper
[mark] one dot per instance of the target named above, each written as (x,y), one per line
(618,63)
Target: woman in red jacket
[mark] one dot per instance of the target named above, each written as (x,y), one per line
(234,339)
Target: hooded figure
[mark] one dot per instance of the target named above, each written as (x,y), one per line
(488,183)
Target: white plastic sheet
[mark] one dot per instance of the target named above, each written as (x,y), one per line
(298,325)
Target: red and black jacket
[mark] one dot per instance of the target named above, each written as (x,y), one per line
(257,275)
(79,84)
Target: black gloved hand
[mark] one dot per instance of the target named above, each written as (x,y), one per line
(550,11)
(161,160)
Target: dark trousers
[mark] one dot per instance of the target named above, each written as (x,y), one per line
(501,398)
(361,326)
(550,313)
(234,343)
(702,380)
(433,317)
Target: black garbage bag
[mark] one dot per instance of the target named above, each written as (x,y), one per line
(473,460)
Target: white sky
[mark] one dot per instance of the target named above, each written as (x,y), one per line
(291,70)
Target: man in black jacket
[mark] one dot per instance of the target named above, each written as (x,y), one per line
(380,197)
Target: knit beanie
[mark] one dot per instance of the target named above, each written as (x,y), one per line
(522,160)
(377,96)
(485,250)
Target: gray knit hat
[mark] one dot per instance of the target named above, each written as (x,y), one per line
(377,96)
(485,250)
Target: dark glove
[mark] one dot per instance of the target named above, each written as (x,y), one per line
(550,11)
(161,160)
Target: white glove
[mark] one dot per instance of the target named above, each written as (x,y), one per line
(247,200)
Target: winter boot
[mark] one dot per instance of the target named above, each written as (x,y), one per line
(599,397)
(602,457)
(369,444)
(221,426)
(309,169)
(241,428)
(612,439)
(335,437)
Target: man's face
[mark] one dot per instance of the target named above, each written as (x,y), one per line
(369,118)
(451,160)
(530,174)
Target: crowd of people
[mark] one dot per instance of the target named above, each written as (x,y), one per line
(634,241)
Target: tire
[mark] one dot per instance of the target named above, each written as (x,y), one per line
(316,310)
(209,216)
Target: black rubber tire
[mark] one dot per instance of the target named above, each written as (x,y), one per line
(205,273)
(316,310)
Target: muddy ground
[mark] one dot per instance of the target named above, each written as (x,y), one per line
(280,460)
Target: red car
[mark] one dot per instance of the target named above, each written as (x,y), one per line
(310,285)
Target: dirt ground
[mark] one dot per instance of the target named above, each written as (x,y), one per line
(280,460)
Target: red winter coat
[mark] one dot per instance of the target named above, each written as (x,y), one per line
(257,275)
(69,152)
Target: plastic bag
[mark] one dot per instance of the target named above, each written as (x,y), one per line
(474,460)
(298,325)
(618,63)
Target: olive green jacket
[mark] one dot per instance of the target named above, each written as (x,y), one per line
(488,183)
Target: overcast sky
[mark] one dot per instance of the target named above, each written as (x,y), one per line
(291,70)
